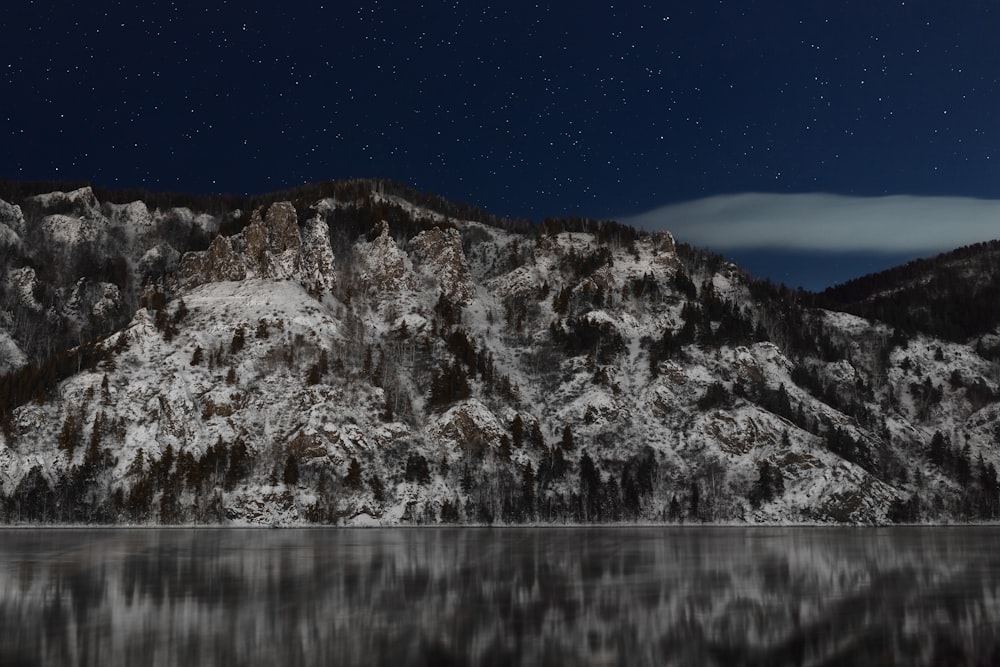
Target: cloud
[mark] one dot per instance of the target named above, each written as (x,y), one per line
(824,222)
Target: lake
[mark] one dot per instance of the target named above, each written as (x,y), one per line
(500,596)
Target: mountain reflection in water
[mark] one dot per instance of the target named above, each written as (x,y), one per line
(531,596)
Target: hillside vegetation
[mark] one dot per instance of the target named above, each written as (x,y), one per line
(359,353)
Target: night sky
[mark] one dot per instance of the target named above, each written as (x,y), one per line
(526,109)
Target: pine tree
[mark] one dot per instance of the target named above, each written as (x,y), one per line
(367,367)
(165,465)
(630,494)
(238,341)
(590,488)
(169,507)
(449,512)
(674,511)
(504,450)
(537,440)
(567,439)
(239,465)
(69,437)
(291,473)
(939,449)
(517,432)
(528,491)
(378,489)
(353,479)
(96,433)
(388,415)
(417,469)
(695,500)
(769,484)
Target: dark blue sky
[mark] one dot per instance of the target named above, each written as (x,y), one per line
(527,109)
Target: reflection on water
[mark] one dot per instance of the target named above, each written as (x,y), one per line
(564,596)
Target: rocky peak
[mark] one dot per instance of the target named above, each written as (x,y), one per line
(7,236)
(134,214)
(12,218)
(663,242)
(442,254)
(158,261)
(270,247)
(273,246)
(23,283)
(471,425)
(317,261)
(81,202)
(663,249)
(385,264)
(219,263)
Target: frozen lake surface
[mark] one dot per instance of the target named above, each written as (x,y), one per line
(508,596)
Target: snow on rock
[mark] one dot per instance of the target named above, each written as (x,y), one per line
(8,237)
(24,282)
(159,260)
(387,268)
(412,322)
(99,301)
(738,433)
(443,258)
(270,247)
(772,363)
(11,356)
(273,246)
(520,282)
(219,263)
(12,218)
(841,372)
(469,425)
(185,218)
(69,230)
(135,216)
(655,257)
(318,264)
(81,202)
(108,303)
(659,400)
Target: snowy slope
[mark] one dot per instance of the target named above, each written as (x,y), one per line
(468,373)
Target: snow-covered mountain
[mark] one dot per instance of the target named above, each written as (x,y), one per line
(356,356)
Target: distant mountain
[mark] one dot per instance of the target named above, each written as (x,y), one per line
(952,296)
(359,353)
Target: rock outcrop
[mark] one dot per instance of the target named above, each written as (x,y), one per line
(272,244)
(220,262)
(11,218)
(443,257)
(271,247)
(78,203)
(317,262)
(385,264)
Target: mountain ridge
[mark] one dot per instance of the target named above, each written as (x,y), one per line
(943,296)
(362,359)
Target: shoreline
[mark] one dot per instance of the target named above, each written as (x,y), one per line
(515,526)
